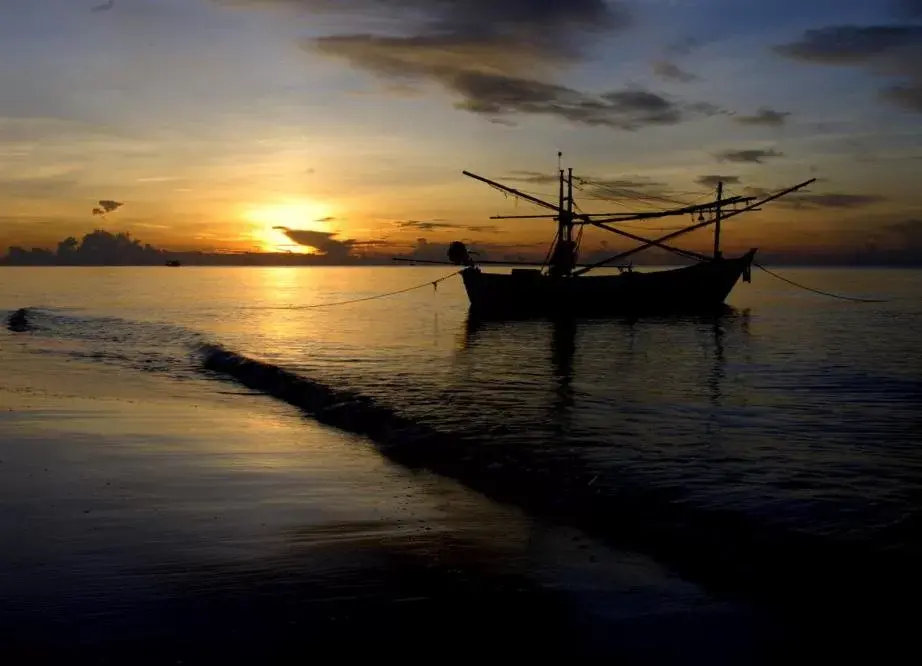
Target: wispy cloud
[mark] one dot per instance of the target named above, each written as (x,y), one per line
(425,225)
(326,242)
(670,71)
(891,50)
(711,180)
(437,225)
(497,59)
(751,156)
(833,200)
(836,200)
(764,116)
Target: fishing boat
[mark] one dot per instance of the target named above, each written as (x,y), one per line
(561,286)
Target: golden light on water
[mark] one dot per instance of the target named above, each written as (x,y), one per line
(267,223)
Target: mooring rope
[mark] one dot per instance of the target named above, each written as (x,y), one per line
(818,291)
(434,283)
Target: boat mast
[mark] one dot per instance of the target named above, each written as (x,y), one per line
(563,256)
(720,191)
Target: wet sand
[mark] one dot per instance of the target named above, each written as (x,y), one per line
(161,522)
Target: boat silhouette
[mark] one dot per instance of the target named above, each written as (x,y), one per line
(560,284)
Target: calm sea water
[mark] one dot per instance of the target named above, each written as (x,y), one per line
(749,450)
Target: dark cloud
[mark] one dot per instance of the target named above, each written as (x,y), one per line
(909,97)
(515,20)
(498,58)
(426,226)
(908,8)
(886,50)
(635,183)
(670,71)
(532,177)
(635,187)
(479,35)
(764,116)
(325,242)
(747,156)
(485,229)
(107,206)
(821,200)
(629,109)
(328,218)
(908,233)
(850,44)
(436,225)
(832,200)
(613,189)
(496,95)
(685,46)
(712,180)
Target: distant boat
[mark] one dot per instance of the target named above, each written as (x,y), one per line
(173,262)
(558,286)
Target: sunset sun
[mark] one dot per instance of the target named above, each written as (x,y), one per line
(267,223)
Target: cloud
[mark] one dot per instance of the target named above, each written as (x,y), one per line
(538,178)
(636,187)
(497,59)
(668,70)
(39,188)
(747,156)
(328,218)
(886,50)
(712,180)
(632,183)
(532,177)
(837,200)
(436,225)
(685,46)
(908,8)
(909,97)
(833,200)
(497,94)
(764,116)
(425,226)
(908,233)
(109,205)
(325,242)
(485,229)
(849,44)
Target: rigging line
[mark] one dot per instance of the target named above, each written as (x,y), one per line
(547,257)
(434,283)
(646,228)
(819,291)
(628,193)
(654,202)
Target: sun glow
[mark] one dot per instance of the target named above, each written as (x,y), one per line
(265,222)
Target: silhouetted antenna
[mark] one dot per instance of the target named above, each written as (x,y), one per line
(559,156)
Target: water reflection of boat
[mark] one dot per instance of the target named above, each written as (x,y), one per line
(559,285)
(610,350)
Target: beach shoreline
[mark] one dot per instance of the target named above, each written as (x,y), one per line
(159,520)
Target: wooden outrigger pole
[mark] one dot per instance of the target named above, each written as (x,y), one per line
(563,251)
(694,227)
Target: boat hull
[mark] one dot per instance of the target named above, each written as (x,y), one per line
(703,287)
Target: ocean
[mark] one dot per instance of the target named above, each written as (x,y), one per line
(197,457)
